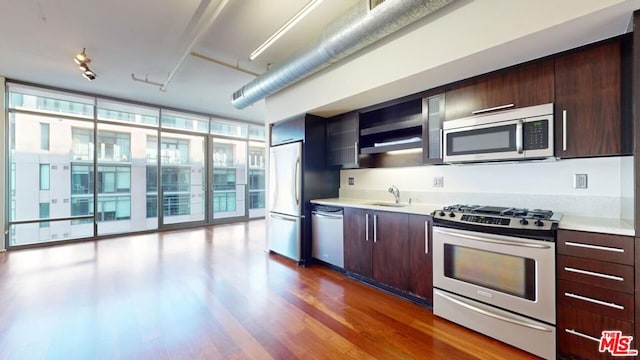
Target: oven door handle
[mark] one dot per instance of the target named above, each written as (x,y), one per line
(490,239)
(493,315)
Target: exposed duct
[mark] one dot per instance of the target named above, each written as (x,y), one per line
(358,28)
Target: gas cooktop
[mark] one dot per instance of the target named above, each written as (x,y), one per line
(500,217)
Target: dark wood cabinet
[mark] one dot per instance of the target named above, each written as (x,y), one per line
(342,140)
(358,242)
(523,85)
(392,127)
(588,120)
(390,249)
(376,246)
(420,260)
(595,290)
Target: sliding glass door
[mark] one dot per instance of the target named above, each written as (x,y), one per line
(228,178)
(182,154)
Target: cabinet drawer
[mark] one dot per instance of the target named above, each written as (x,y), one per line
(579,332)
(596,273)
(605,247)
(608,303)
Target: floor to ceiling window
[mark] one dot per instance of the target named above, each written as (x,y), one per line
(82,166)
(229,169)
(40,192)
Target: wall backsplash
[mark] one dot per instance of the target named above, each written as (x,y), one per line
(548,184)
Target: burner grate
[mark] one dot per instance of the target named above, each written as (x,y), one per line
(500,211)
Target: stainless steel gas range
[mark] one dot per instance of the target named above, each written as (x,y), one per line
(494,272)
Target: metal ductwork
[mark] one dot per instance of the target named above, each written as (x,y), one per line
(358,28)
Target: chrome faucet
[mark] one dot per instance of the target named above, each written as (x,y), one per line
(396,193)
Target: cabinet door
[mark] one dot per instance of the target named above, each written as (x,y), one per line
(342,140)
(587,111)
(433,115)
(390,249)
(420,261)
(526,85)
(288,131)
(358,240)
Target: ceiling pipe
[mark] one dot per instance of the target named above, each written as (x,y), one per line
(357,28)
(193,42)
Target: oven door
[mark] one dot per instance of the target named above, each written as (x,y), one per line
(512,273)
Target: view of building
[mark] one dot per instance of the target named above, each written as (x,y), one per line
(71,167)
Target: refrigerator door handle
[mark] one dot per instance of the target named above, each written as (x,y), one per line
(280,217)
(296,177)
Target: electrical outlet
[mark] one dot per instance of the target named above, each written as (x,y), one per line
(438,181)
(352,181)
(580,181)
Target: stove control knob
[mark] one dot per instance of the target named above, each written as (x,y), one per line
(524,221)
(452,214)
(539,223)
(441,213)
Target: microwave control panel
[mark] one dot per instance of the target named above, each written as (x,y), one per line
(536,135)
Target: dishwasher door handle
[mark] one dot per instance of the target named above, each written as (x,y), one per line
(326,216)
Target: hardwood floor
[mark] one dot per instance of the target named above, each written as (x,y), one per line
(209,293)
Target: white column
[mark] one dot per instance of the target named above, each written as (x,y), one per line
(3,189)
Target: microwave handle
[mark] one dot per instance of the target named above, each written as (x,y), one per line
(501,107)
(519,136)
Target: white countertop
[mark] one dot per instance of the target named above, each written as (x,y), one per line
(598,225)
(568,222)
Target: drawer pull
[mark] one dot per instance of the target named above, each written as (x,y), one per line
(577,333)
(595,301)
(595,247)
(591,273)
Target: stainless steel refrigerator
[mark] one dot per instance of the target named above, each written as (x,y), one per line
(298,173)
(285,200)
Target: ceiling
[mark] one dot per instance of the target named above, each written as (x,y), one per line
(150,39)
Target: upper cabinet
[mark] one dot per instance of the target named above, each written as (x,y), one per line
(342,140)
(520,86)
(394,127)
(288,131)
(433,115)
(590,88)
(588,118)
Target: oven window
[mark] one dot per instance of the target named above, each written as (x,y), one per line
(501,272)
(487,140)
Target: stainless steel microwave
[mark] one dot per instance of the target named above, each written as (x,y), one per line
(516,134)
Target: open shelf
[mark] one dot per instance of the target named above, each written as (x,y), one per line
(408,122)
(386,148)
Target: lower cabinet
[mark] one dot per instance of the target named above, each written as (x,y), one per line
(376,246)
(420,261)
(358,242)
(595,291)
(390,248)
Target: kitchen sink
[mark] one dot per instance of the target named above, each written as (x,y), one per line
(389,204)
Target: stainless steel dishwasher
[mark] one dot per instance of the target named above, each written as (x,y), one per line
(327,235)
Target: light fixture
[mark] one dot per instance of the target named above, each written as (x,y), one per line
(286,27)
(83,60)
(405,151)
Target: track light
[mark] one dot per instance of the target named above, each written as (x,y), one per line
(83,60)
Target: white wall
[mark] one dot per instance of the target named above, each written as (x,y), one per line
(463,39)
(2,161)
(547,185)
